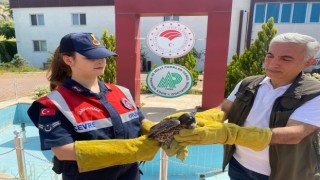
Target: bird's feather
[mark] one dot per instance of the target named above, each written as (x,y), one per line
(163,126)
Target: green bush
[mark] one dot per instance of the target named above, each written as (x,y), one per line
(314,75)
(110,73)
(40,91)
(154,66)
(9,67)
(188,61)
(7,29)
(144,88)
(195,91)
(7,50)
(18,61)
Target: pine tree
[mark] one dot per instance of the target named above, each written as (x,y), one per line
(188,61)
(110,71)
(251,61)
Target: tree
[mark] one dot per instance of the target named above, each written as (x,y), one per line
(251,61)
(5,11)
(188,61)
(7,29)
(110,73)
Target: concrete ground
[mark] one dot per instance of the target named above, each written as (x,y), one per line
(4,176)
(156,108)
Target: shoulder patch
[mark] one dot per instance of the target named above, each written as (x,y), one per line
(49,127)
(47,112)
(126,103)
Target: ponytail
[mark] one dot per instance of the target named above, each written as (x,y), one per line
(58,71)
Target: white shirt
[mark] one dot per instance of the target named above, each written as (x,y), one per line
(259,116)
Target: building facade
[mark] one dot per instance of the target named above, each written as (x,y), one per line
(39,24)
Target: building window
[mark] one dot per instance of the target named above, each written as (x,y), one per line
(171,18)
(37,19)
(39,46)
(259,13)
(299,12)
(273,11)
(79,19)
(286,13)
(315,12)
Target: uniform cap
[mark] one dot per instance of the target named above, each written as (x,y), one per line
(87,44)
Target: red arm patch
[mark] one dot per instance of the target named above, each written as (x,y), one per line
(47,112)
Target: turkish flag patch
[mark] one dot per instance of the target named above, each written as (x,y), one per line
(47,112)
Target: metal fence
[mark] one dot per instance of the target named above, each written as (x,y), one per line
(26,171)
(33,166)
(17,85)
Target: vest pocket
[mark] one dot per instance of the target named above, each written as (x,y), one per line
(242,97)
(316,146)
(281,118)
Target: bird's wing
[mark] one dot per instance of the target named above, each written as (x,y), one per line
(163,126)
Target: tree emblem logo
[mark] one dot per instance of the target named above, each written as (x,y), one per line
(169,80)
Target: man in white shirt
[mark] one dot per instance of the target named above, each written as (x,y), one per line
(273,120)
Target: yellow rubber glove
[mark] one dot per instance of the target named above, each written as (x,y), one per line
(226,133)
(146,126)
(181,152)
(98,154)
(203,118)
(175,115)
(206,117)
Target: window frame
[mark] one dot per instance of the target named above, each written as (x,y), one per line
(264,14)
(266,11)
(40,45)
(79,19)
(171,18)
(281,10)
(310,12)
(305,15)
(295,15)
(37,19)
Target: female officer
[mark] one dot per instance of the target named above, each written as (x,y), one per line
(91,127)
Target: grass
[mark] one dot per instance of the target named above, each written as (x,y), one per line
(5,69)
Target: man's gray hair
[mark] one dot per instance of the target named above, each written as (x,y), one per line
(312,45)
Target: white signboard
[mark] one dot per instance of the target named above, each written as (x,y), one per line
(171,39)
(169,80)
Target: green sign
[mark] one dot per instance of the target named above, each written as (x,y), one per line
(169,80)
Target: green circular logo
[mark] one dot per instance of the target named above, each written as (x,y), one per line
(169,80)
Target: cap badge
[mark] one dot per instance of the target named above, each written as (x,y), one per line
(95,41)
(126,103)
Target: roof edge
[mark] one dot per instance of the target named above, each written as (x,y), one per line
(58,3)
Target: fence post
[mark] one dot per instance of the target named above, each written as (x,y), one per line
(23,132)
(163,165)
(20,156)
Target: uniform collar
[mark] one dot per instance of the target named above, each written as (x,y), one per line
(76,87)
(104,88)
(267,82)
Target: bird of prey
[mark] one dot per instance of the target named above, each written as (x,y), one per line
(165,130)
